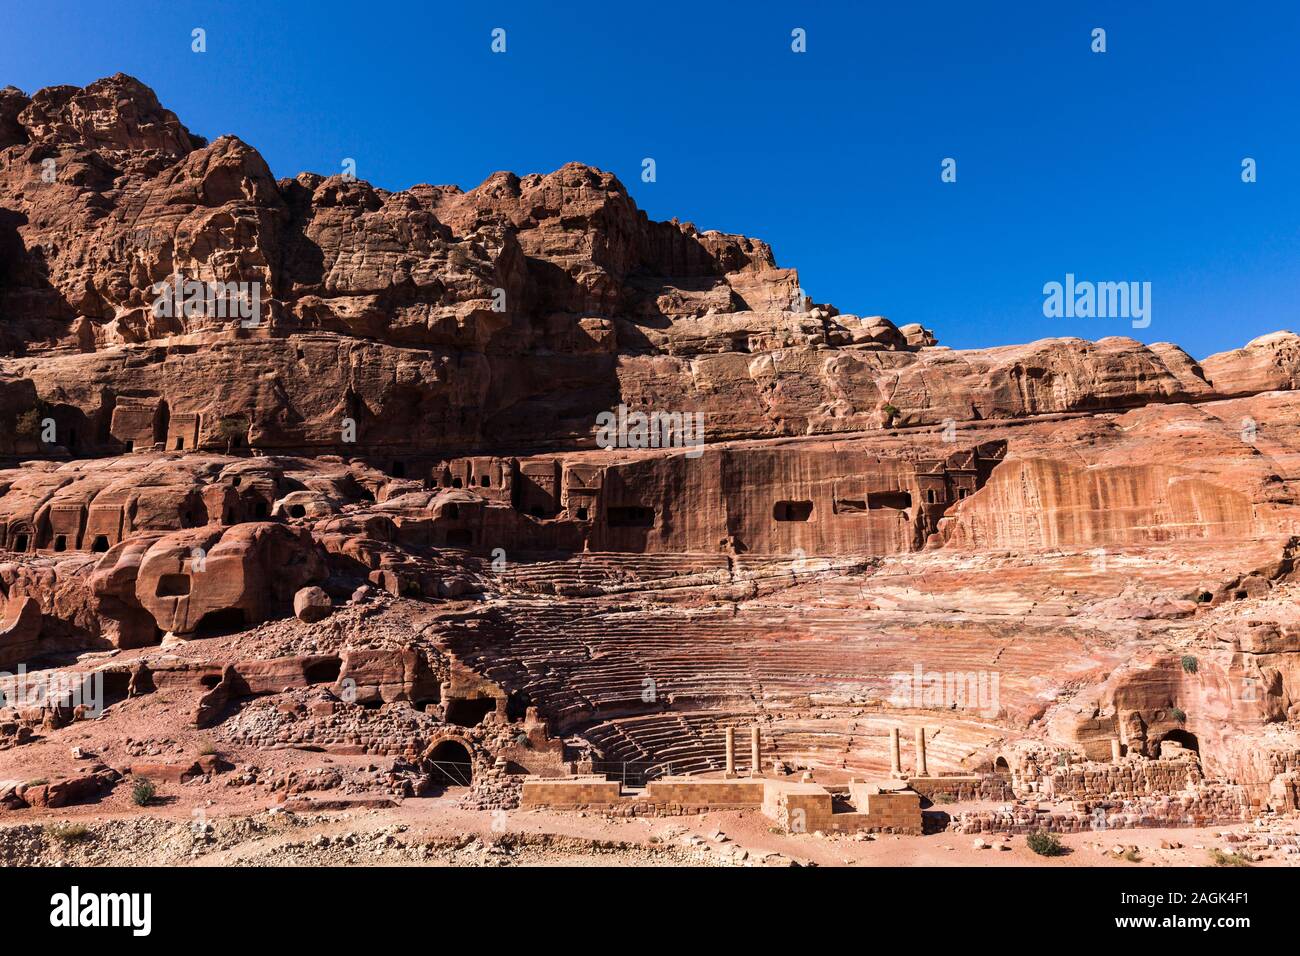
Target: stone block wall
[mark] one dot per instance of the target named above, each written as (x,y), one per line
(963,789)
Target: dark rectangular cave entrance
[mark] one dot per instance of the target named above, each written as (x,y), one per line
(469,713)
(898,500)
(792,510)
(630,516)
(173,585)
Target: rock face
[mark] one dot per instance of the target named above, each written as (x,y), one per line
(533,466)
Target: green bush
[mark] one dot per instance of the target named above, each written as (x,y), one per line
(1189,664)
(1179,715)
(143,792)
(1045,844)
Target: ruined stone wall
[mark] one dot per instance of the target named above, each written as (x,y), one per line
(1207,805)
(961,789)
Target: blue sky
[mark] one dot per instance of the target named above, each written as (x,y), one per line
(1122,166)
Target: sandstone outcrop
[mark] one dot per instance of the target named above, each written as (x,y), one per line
(366,500)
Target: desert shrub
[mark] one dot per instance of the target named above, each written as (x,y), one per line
(1189,664)
(1228,859)
(1179,715)
(1044,843)
(67,832)
(143,792)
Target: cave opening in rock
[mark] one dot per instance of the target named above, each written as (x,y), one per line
(325,671)
(173,585)
(450,764)
(1186,739)
(469,713)
(898,500)
(228,620)
(792,510)
(100,544)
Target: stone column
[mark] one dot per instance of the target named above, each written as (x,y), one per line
(731,751)
(1114,750)
(895,757)
(921,770)
(754,765)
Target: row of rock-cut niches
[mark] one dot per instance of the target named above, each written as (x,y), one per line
(21,543)
(802,510)
(450,481)
(22,539)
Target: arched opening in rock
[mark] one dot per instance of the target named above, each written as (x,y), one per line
(20,542)
(1002,767)
(1184,738)
(100,544)
(61,542)
(260,510)
(450,765)
(217,623)
(451,512)
(297,511)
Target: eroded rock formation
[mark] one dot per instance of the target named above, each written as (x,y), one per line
(363,496)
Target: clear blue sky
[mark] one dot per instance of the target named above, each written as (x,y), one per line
(1117,166)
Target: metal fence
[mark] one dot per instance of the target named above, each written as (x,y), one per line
(452,773)
(632,773)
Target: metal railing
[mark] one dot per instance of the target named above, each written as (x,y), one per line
(632,773)
(454,773)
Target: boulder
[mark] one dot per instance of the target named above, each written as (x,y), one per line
(312,604)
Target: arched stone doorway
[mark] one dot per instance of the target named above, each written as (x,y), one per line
(1000,766)
(1186,739)
(450,764)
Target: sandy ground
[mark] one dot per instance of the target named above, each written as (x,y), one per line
(437,832)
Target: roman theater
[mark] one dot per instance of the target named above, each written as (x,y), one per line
(367,551)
